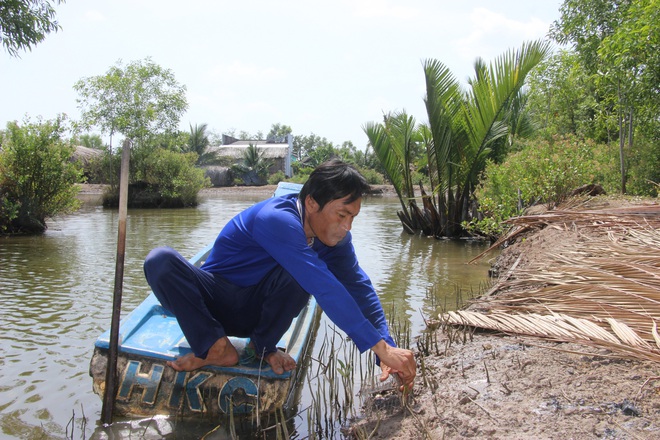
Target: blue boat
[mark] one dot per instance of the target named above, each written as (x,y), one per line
(150,336)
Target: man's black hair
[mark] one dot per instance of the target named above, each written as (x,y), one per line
(334,180)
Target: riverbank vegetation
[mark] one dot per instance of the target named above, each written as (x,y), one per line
(37,177)
(530,127)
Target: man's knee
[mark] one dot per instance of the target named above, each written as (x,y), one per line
(163,271)
(159,262)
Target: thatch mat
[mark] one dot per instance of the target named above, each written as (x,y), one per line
(587,274)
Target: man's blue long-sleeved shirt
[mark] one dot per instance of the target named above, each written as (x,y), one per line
(271,233)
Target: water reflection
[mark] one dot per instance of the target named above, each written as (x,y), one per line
(56,292)
(405,268)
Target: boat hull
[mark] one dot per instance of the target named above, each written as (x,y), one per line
(147,386)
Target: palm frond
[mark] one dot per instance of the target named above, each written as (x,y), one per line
(390,158)
(491,95)
(616,337)
(443,103)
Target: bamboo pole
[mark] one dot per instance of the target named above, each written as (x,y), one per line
(111,371)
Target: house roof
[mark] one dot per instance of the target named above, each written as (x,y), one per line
(85,154)
(237,149)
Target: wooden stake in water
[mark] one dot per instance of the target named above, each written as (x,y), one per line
(111,372)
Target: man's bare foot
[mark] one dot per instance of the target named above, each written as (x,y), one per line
(222,354)
(280,362)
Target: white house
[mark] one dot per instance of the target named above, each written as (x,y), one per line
(277,150)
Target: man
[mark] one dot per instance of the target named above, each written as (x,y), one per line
(261,270)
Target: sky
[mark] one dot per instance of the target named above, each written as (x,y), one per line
(321,67)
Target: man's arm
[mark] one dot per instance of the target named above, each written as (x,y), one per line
(343,263)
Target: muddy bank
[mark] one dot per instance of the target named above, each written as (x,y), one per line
(503,387)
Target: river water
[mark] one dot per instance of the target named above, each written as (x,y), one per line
(56,296)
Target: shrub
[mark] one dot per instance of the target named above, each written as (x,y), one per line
(37,178)
(8,211)
(301,174)
(276,178)
(176,176)
(373,177)
(543,171)
(643,176)
(160,179)
(103,168)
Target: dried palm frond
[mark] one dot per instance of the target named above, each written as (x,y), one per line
(600,289)
(656,336)
(627,335)
(618,337)
(636,218)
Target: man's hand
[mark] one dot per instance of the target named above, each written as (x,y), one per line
(397,361)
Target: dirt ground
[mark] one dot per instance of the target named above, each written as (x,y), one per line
(503,387)
(488,385)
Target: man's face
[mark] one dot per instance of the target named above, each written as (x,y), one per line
(331,223)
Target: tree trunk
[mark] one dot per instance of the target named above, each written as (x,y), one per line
(621,158)
(622,137)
